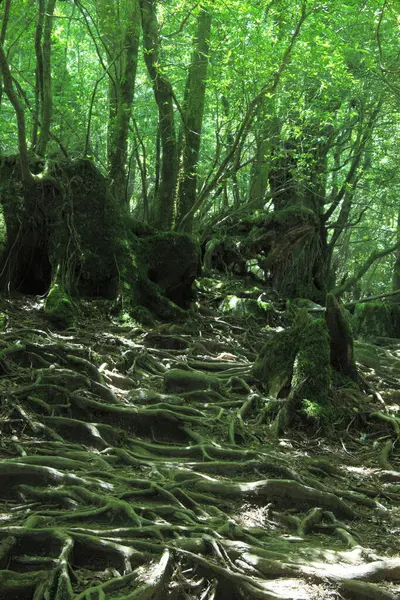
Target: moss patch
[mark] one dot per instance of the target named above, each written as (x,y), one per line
(245,307)
(296,363)
(178,381)
(311,381)
(59,308)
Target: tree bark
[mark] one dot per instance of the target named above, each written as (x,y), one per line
(26,174)
(38,73)
(125,93)
(261,164)
(4,25)
(193,118)
(396,267)
(164,98)
(47,96)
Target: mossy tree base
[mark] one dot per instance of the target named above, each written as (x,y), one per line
(287,246)
(67,229)
(304,362)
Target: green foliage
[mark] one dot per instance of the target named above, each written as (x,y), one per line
(324,138)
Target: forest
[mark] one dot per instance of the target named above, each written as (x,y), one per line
(199,300)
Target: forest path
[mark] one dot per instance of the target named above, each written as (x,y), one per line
(139,463)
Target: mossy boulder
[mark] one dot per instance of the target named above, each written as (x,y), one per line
(245,307)
(296,363)
(68,227)
(67,221)
(274,364)
(59,308)
(376,319)
(179,381)
(311,380)
(172,262)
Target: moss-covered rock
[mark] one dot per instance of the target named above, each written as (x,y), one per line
(274,364)
(178,381)
(376,319)
(245,307)
(296,363)
(311,380)
(59,308)
(68,227)
(172,262)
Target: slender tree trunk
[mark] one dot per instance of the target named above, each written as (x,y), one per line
(250,114)
(38,73)
(193,112)
(120,124)
(47,102)
(396,267)
(262,159)
(157,165)
(26,174)
(6,16)
(119,25)
(164,98)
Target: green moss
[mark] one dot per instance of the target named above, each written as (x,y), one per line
(291,215)
(274,364)
(59,307)
(286,217)
(297,361)
(312,410)
(178,381)
(142,315)
(244,307)
(312,379)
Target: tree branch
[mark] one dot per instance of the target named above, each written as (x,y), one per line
(376,255)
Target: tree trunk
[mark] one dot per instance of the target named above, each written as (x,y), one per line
(26,174)
(72,241)
(120,126)
(120,31)
(46,92)
(396,267)
(38,73)
(5,19)
(193,118)
(164,98)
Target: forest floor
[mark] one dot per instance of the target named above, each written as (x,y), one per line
(140,463)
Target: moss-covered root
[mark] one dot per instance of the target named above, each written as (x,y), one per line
(59,307)
(359,590)
(146,582)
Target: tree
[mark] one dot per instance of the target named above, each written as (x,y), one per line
(193,111)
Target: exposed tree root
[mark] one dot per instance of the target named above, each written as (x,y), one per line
(135,474)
